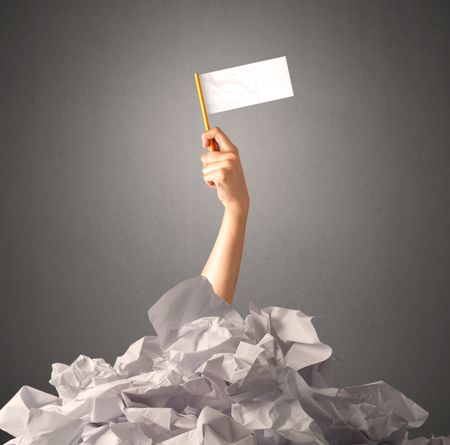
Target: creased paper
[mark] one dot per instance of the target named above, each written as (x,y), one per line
(213,377)
(245,85)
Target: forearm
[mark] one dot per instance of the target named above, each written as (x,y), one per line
(224,262)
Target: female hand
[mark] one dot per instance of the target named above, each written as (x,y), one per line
(222,171)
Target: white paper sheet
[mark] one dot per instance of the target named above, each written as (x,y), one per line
(212,377)
(245,85)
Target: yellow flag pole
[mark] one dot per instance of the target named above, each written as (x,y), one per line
(203,107)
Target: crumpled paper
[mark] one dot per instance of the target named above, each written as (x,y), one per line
(212,377)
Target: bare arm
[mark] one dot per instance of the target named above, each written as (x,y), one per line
(222,171)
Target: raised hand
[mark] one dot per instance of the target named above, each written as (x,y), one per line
(222,171)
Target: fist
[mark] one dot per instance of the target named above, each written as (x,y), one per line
(222,170)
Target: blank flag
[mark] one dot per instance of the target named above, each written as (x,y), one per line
(245,85)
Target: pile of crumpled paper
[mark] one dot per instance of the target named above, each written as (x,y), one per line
(211,377)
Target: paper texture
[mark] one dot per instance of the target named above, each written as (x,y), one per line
(213,377)
(245,85)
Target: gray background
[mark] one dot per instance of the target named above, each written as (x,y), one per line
(104,207)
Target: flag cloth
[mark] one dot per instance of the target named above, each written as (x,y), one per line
(245,85)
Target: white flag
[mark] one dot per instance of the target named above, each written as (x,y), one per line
(245,85)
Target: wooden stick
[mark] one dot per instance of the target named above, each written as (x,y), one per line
(203,107)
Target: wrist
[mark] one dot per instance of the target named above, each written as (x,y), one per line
(237,210)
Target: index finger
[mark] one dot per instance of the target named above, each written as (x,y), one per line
(220,137)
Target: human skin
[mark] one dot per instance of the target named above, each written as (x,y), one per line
(222,171)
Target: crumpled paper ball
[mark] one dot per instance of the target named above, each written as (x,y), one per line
(212,377)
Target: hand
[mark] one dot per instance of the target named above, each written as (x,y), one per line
(222,171)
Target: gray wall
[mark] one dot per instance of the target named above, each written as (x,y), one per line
(104,208)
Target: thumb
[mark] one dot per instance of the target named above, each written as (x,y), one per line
(221,139)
